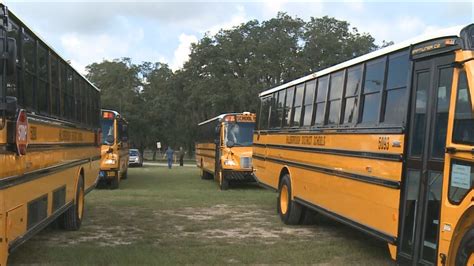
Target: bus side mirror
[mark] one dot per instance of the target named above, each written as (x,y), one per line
(230,144)
(124,133)
(218,129)
(9,56)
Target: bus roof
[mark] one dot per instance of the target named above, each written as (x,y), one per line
(46,44)
(448,32)
(220,117)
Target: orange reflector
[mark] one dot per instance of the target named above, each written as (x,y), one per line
(107,115)
(450,42)
(230,118)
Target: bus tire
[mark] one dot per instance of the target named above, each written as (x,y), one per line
(72,218)
(308,216)
(465,252)
(114,183)
(223,182)
(290,211)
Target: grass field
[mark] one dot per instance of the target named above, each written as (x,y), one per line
(161,216)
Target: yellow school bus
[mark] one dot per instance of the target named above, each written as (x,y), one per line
(49,137)
(114,150)
(224,148)
(384,143)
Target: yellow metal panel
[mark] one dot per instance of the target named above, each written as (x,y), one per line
(16,222)
(314,162)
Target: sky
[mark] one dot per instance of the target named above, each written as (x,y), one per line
(85,32)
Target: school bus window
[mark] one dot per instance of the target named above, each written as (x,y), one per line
(77,96)
(307,111)
(42,78)
(89,104)
(464,117)
(29,50)
(290,92)
(320,104)
(54,85)
(280,108)
(240,133)
(63,83)
(273,111)
(422,86)
(396,94)
(296,110)
(373,83)
(443,97)
(353,85)
(69,96)
(84,102)
(335,95)
(265,105)
(461,172)
(107,131)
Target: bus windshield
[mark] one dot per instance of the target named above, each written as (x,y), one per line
(240,133)
(107,130)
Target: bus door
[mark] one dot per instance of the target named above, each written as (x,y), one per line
(421,200)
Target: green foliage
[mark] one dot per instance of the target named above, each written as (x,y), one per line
(224,73)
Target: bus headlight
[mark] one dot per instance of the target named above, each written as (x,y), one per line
(229,163)
(110,161)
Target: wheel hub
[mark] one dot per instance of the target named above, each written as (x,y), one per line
(80,203)
(284,197)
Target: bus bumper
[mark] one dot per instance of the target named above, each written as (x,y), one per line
(246,176)
(105,175)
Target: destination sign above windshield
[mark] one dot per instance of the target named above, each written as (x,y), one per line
(434,47)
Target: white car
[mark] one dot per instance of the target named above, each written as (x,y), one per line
(135,158)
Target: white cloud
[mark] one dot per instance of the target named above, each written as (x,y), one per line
(235,20)
(272,7)
(355,5)
(82,49)
(181,54)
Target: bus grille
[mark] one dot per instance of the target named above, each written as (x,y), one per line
(246,162)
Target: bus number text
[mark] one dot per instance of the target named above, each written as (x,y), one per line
(319,141)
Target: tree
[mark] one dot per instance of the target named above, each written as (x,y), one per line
(224,73)
(329,41)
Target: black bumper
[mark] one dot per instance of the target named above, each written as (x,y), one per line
(239,176)
(105,175)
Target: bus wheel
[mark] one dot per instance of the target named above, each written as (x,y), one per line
(114,183)
(223,182)
(72,218)
(465,254)
(290,212)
